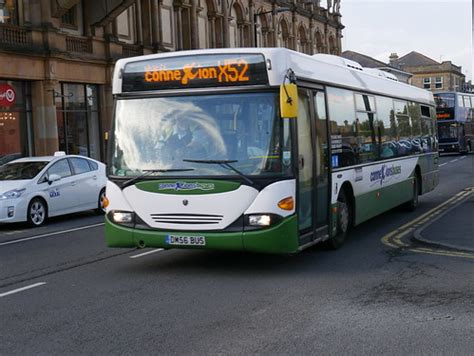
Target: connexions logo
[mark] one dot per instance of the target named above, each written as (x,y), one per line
(186,186)
(385,173)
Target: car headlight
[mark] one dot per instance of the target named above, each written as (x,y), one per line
(12,194)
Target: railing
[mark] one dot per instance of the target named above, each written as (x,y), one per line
(131,50)
(12,35)
(78,45)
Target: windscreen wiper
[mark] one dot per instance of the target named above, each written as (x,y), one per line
(226,163)
(150,172)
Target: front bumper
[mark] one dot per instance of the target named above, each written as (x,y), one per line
(281,238)
(13,210)
(451,147)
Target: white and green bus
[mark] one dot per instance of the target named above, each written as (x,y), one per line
(263,150)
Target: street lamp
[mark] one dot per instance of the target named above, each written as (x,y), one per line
(255,16)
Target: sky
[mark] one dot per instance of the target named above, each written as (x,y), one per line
(439,29)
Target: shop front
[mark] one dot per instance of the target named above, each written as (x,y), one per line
(15,120)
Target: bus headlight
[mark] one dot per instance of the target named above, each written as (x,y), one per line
(262,220)
(122,217)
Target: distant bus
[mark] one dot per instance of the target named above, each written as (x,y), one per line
(455,117)
(264,150)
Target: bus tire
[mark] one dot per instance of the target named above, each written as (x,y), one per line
(344,220)
(413,203)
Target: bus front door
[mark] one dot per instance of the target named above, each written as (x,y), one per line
(321,164)
(313,176)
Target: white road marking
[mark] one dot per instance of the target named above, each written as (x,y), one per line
(22,289)
(147,253)
(50,234)
(452,161)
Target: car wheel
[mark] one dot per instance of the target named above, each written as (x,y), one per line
(344,218)
(100,204)
(37,212)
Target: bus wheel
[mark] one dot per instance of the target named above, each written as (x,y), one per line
(413,203)
(344,218)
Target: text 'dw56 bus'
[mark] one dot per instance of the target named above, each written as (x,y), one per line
(264,150)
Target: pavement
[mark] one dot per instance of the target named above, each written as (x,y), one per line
(452,229)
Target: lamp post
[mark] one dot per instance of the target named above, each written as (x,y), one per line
(255,17)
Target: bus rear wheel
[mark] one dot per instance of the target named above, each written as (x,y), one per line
(344,219)
(413,203)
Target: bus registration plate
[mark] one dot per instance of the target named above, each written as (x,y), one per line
(186,240)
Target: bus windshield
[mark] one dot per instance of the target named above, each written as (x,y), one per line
(447,132)
(162,133)
(444,100)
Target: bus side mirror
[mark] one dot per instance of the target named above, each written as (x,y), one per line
(288,101)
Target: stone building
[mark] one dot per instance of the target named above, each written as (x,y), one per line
(57,56)
(429,74)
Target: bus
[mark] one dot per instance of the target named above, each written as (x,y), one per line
(455,114)
(262,150)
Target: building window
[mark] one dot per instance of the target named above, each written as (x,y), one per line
(78,120)
(125,25)
(8,12)
(439,83)
(69,19)
(427,83)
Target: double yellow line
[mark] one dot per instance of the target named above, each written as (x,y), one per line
(395,238)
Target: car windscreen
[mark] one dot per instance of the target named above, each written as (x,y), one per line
(21,170)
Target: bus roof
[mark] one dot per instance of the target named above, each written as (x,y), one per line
(453,92)
(321,68)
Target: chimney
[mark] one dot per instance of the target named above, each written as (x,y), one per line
(393,57)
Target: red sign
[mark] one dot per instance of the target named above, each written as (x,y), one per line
(7,95)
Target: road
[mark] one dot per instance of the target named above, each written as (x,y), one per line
(62,291)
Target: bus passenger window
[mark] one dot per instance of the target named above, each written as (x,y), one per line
(367,145)
(415,120)
(405,146)
(365,135)
(426,129)
(342,127)
(387,128)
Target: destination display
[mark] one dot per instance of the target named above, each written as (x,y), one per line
(445,114)
(194,72)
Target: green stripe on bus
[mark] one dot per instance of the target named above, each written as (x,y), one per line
(380,200)
(188,186)
(281,238)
